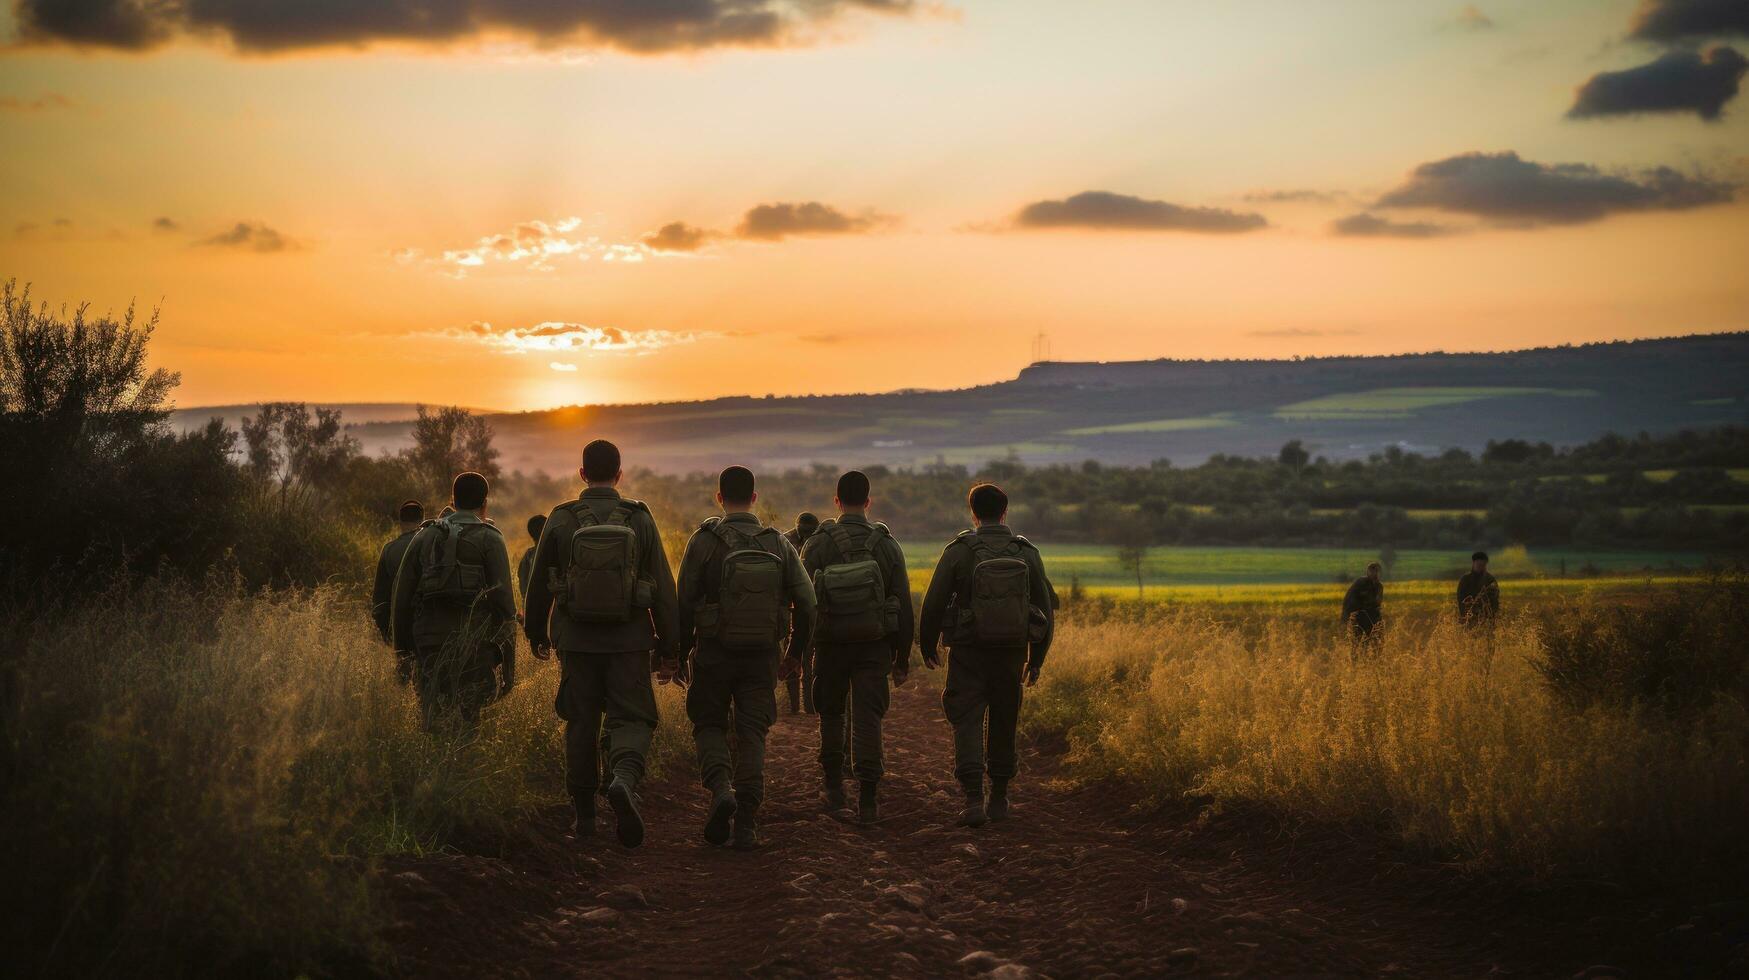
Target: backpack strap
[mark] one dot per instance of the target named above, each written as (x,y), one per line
(846,542)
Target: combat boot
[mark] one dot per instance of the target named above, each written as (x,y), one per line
(974,814)
(868,808)
(629,824)
(835,799)
(998,806)
(583,826)
(746,828)
(717,826)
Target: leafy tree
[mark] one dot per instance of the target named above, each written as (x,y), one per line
(451,440)
(1133,556)
(1293,455)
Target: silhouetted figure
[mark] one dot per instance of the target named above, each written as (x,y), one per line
(1478,594)
(525,565)
(801,686)
(382,594)
(1363,606)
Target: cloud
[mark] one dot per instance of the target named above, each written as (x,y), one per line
(1292,333)
(558,337)
(1669,21)
(536,246)
(775,222)
(1469,17)
(251,236)
(823,338)
(1107,211)
(165,224)
(1679,81)
(1293,196)
(1369,225)
(562,366)
(43,103)
(678,236)
(1507,190)
(640,26)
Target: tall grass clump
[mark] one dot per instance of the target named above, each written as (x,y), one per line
(1468,745)
(198,780)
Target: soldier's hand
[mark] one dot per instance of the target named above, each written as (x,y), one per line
(541,651)
(505,685)
(1031,676)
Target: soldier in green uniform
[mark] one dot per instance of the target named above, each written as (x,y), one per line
(742,591)
(863,635)
(989,599)
(454,606)
(382,594)
(801,684)
(1478,594)
(1363,606)
(525,566)
(602,594)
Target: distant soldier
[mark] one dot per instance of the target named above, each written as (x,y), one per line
(382,594)
(801,686)
(990,601)
(454,606)
(742,591)
(525,566)
(863,635)
(1478,594)
(602,594)
(1363,606)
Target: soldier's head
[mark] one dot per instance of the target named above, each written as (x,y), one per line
(807,523)
(1479,561)
(852,495)
(600,464)
(536,525)
(735,489)
(1373,569)
(469,492)
(412,514)
(988,503)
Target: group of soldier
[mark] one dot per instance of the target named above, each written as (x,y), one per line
(1478,601)
(825,608)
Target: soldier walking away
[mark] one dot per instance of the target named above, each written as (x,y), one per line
(742,591)
(863,635)
(382,594)
(1478,594)
(989,600)
(801,685)
(525,565)
(602,594)
(1363,606)
(454,607)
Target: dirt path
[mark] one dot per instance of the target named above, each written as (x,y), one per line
(1075,884)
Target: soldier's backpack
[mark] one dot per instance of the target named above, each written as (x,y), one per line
(454,572)
(751,612)
(852,595)
(601,568)
(1001,595)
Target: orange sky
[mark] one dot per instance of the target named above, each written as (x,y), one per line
(468,219)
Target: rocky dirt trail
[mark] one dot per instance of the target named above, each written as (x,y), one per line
(1078,883)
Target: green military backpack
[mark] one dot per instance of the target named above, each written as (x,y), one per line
(1001,599)
(852,594)
(752,611)
(454,571)
(601,572)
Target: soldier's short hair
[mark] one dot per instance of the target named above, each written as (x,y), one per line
(1479,556)
(987,501)
(600,461)
(412,512)
(469,491)
(1373,565)
(807,520)
(536,525)
(853,488)
(736,485)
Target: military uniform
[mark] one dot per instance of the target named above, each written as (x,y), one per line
(456,642)
(382,594)
(801,685)
(741,681)
(524,569)
(858,671)
(983,681)
(1363,606)
(1478,599)
(605,666)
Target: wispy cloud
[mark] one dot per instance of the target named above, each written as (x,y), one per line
(47,102)
(559,337)
(531,246)
(678,236)
(1678,81)
(1293,196)
(1369,225)
(775,222)
(251,236)
(562,366)
(1470,17)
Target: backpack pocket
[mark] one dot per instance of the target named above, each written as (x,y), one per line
(1000,606)
(753,613)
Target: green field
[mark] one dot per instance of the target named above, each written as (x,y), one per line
(1402,403)
(1155,425)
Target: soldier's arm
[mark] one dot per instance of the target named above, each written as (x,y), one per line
(935,602)
(901,580)
(537,605)
(502,596)
(401,603)
(383,593)
(665,614)
(1351,601)
(689,590)
(801,598)
(1041,599)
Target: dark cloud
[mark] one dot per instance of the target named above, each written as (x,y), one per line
(165,224)
(277,25)
(678,236)
(1298,196)
(1369,225)
(1680,20)
(1680,81)
(1505,189)
(775,222)
(1107,211)
(42,103)
(251,236)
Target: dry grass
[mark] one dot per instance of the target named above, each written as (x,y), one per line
(1452,742)
(201,782)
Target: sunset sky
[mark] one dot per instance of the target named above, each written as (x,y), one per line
(526,203)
